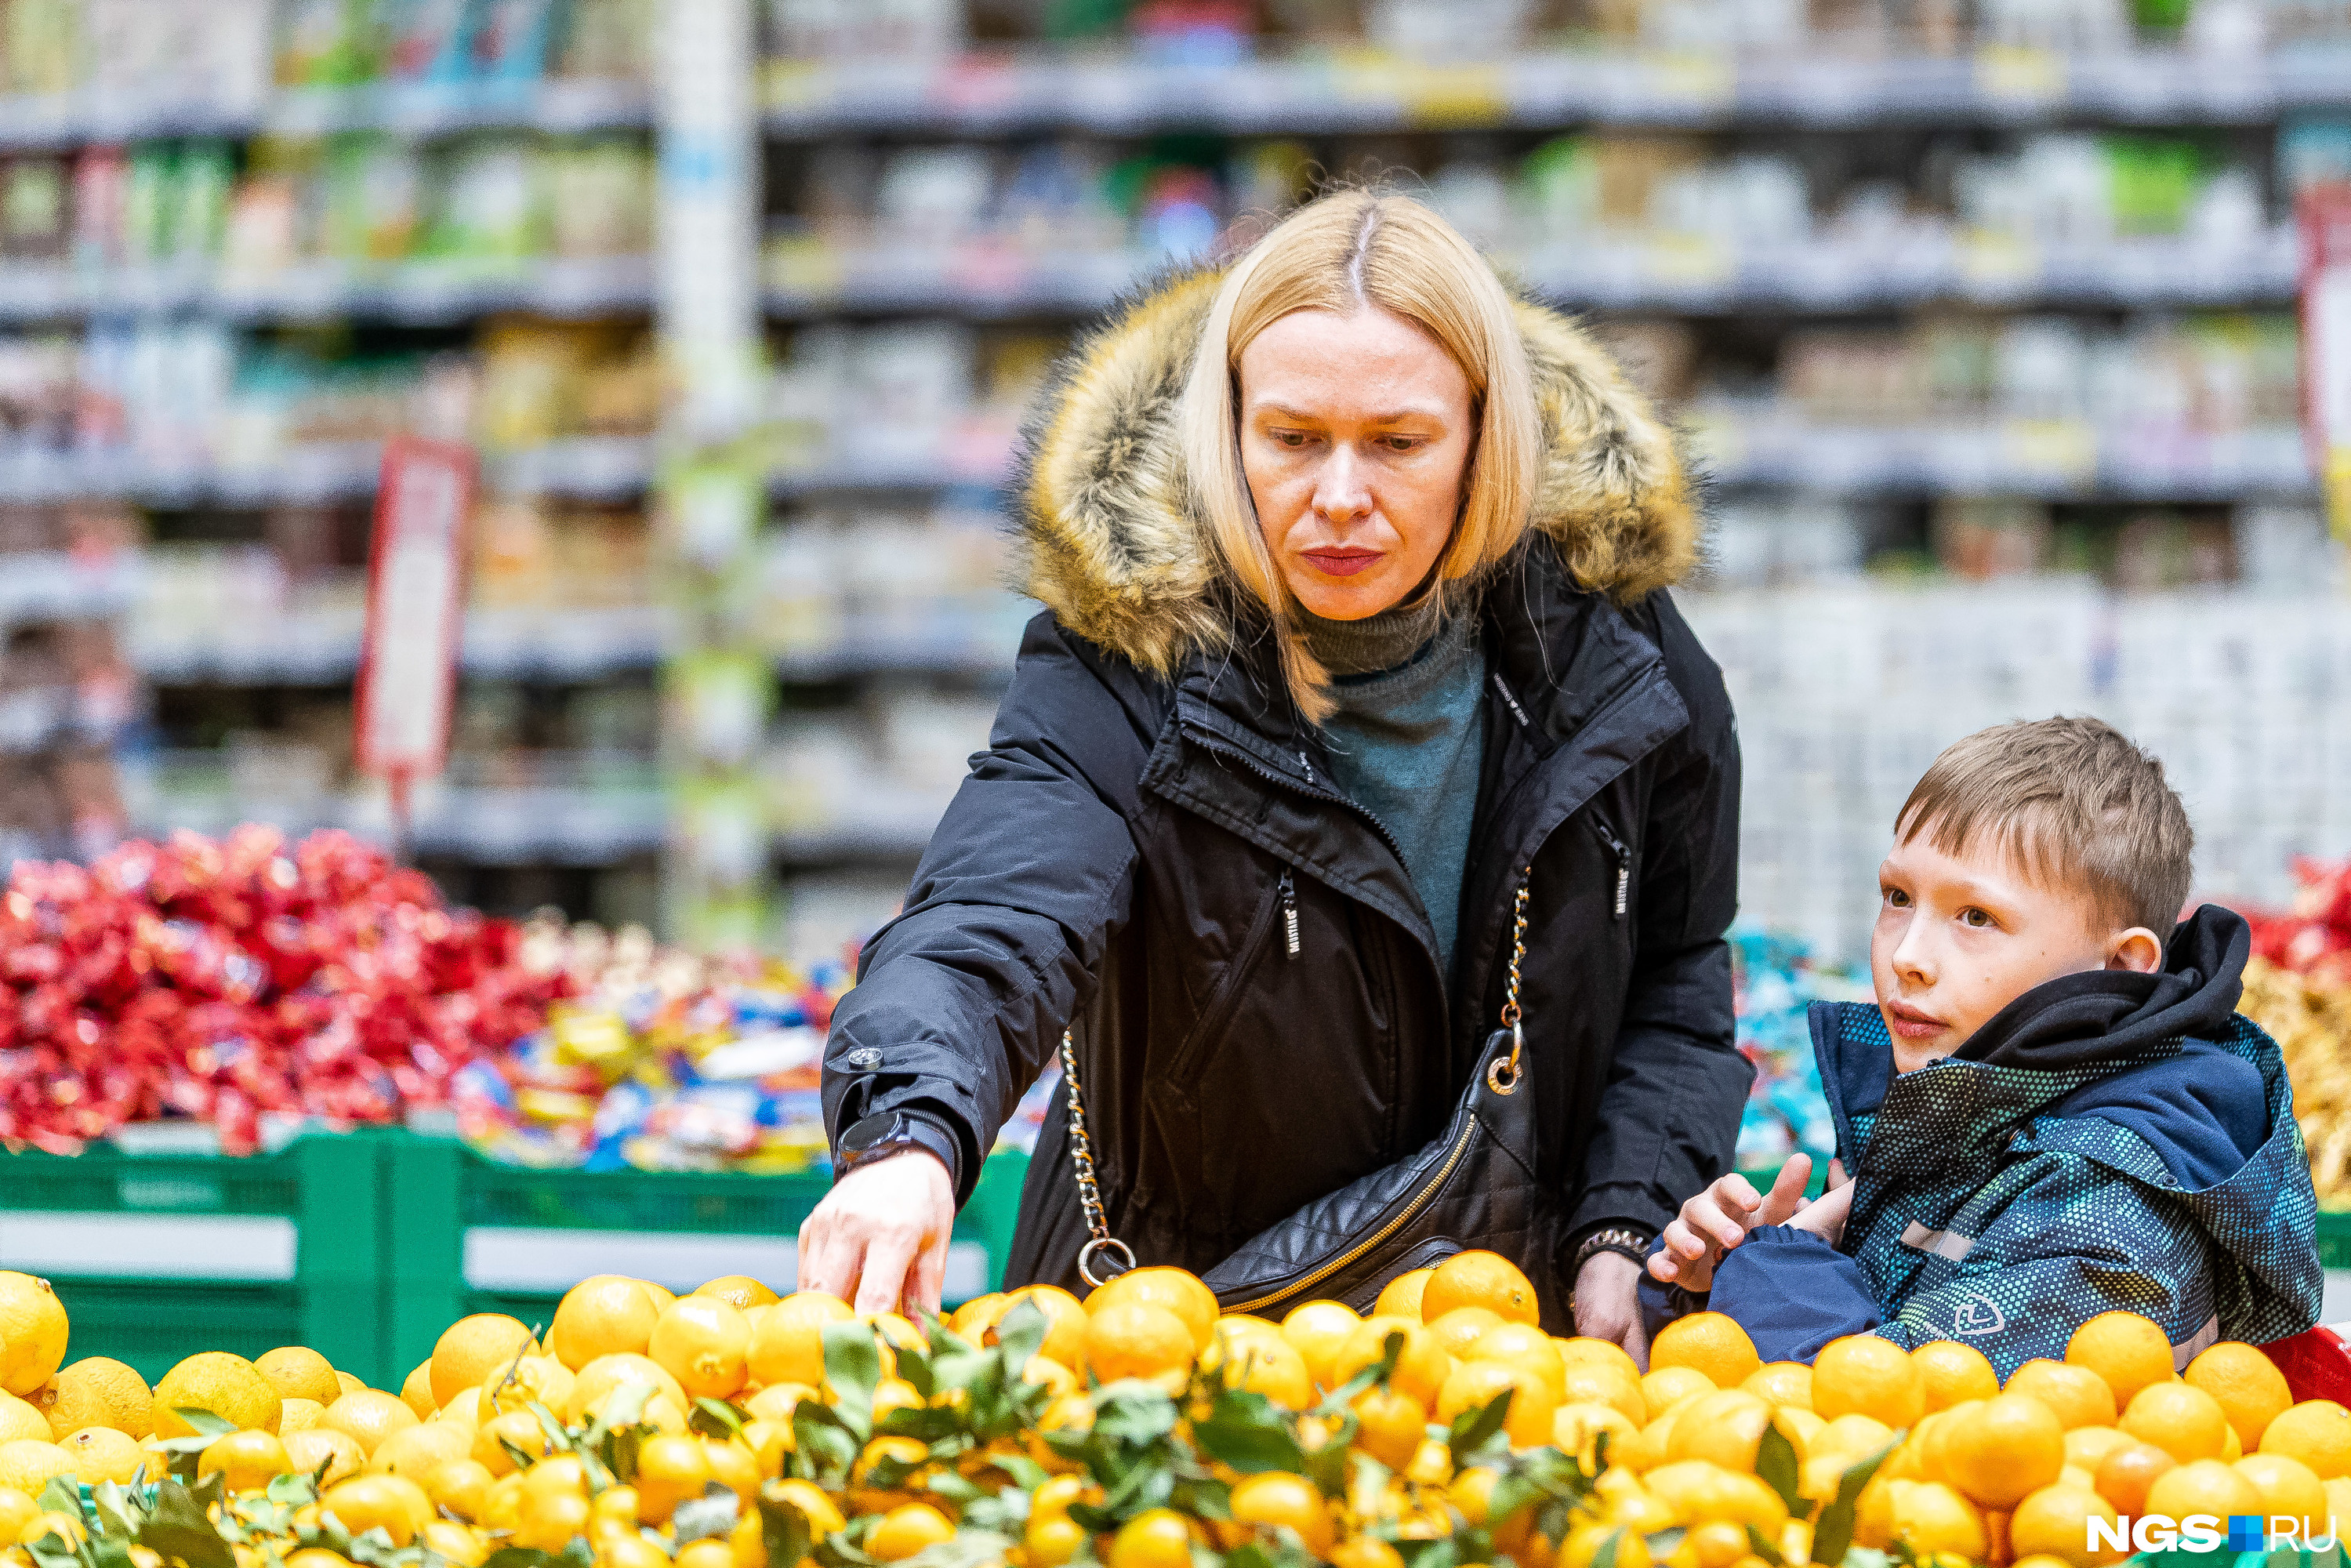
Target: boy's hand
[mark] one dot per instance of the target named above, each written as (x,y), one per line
(1719,1220)
(1824,1217)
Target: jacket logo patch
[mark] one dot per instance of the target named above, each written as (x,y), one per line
(1977,1315)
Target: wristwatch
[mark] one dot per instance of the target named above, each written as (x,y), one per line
(888,1132)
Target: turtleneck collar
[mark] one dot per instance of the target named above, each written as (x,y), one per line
(1376,644)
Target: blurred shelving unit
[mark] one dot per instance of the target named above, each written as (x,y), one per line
(1979,314)
(244,241)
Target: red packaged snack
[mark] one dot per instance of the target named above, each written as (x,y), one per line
(232,981)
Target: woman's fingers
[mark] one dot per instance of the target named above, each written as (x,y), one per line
(882,1281)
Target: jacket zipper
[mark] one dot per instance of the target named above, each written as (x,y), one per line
(1419,1201)
(1290,911)
(1223,747)
(1624,863)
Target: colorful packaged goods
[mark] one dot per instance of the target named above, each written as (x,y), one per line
(240,980)
(659,1060)
(1776,980)
(2298,987)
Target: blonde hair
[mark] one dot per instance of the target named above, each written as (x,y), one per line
(1340,254)
(2075,803)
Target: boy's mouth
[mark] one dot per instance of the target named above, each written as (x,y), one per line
(1912,1024)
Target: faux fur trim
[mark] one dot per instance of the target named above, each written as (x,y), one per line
(1114,551)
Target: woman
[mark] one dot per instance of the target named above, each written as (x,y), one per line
(1353,572)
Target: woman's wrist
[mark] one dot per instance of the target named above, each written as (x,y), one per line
(1622,1239)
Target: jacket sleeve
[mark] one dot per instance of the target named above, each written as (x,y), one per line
(1792,1293)
(962,999)
(1668,1116)
(2075,1241)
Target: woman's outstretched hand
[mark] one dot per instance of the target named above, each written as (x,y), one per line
(1608,1304)
(879,1240)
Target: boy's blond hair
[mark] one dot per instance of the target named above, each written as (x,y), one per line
(2073,802)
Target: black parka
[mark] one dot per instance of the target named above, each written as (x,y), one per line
(1127,856)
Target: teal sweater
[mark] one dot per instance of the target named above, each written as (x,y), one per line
(1409,740)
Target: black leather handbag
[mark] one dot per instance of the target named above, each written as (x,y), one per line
(1474,1187)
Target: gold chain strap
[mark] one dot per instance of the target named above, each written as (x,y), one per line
(1503,1075)
(1082,1150)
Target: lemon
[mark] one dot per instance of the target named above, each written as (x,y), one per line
(601,1377)
(29,1464)
(98,1392)
(298,1416)
(313,1447)
(604,1315)
(300,1373)
(103,1454)
(21,1419)
(229,1386)
(416,1391)
(417,1451)
(31,1332)
(368,1417)
(473,1348)
(245,1461)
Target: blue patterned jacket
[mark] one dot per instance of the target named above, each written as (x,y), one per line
(2075,1158)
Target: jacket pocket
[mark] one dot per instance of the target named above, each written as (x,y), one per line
(1209,1027)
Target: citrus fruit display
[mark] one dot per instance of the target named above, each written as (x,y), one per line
(1138,1428)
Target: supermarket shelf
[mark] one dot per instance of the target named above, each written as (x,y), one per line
(533,826)
(1111,94)
(1686,274)
(2052,460)
(323,648)
(413,294)
(51,585)
(598,468)
(873,841)
(416,108)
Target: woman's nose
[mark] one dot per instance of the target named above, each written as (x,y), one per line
(1340,493)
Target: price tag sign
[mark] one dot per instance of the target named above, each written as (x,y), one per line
(2325,218)
(416,612)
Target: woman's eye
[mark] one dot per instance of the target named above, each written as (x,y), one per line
(1401,443)
(1294,439)
(1976,917)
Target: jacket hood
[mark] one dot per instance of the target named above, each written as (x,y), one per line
(2107,1013)
(1114,549)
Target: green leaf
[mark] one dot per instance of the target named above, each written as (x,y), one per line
(1245,1430)
(54,1550)
(176,1527)
(1661,1543)
(1026,1473)
(714,1418)
(1020,1333)
(1376,1374)
(1833,1533)
(930,1423)
(825,1441)
(1766,1548)
(787,1530)
(294,1492)
(914,1369)
(712,1514)
(558,1435)
(206,1424)
(1133,1412)
(120,1511)
(518,1557)
(852,1367)
(375,1548)
(1775,1466)
(1606,1556)
(1473,1430)
(966,1548)
(107,1552)
(62,1495)
(1441,1552)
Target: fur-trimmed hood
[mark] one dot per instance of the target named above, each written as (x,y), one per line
(1114,551)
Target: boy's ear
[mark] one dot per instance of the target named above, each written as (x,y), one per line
(2138,949)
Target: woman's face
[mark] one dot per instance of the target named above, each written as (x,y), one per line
(1355,434)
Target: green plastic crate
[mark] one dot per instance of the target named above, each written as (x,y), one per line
(469,1235)
(2334,1240)
(158,1256)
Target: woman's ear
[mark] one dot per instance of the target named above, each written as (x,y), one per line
(2137,950)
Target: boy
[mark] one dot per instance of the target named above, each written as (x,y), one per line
(2053,1110)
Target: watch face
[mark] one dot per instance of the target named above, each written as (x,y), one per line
(865,1135)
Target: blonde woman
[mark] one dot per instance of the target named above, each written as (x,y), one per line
(1355,569)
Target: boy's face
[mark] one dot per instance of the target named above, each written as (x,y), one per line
(1958,938)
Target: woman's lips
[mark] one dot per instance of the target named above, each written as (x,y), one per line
(1911,1024)
(1342,563)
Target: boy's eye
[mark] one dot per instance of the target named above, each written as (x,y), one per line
(1976,917)
(1896,898)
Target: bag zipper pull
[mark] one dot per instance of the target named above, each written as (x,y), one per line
(1289,912)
